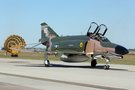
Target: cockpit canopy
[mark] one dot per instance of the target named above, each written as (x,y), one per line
(96,34)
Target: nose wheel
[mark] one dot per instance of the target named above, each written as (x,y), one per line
(106,67)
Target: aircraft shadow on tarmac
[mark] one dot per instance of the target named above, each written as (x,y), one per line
(71,66)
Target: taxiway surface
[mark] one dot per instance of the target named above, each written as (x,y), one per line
(22,74)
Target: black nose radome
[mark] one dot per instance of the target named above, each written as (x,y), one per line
(121,50)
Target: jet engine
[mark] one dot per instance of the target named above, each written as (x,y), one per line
(74,58)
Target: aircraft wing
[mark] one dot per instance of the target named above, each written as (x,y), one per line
(61,51)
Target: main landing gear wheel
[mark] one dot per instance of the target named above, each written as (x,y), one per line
(93,63)
(106,67)
(47,63)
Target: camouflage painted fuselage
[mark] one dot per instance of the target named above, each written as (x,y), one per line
(76,48)
(84,44)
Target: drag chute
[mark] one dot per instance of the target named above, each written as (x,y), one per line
(14,43)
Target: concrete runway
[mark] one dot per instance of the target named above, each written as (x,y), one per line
(19,74)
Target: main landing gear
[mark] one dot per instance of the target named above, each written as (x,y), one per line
(46,62)
(93,63)
(106,67)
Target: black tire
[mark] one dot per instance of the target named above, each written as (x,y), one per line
(93,63)
(48,63)
(106,67)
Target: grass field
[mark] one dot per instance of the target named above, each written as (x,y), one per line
(128,59)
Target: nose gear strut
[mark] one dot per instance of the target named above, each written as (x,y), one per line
(106,67)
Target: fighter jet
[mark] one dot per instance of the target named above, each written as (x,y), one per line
(79,48)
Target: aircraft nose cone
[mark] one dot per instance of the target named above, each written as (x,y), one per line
(121,50)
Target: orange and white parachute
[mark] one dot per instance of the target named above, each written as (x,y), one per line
(14,43)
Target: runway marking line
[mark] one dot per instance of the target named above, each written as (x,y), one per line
(64,82)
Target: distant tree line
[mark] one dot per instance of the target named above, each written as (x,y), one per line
(131,49)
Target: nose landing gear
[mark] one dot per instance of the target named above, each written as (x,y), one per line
(106,67)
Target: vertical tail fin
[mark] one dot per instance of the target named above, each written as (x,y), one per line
(47,31)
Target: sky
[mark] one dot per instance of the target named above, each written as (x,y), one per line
(68,17)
